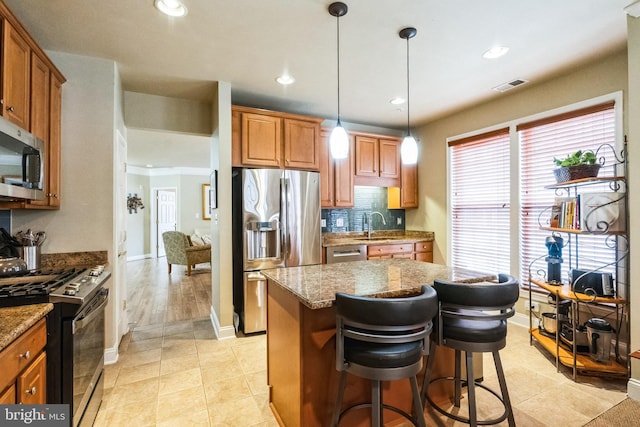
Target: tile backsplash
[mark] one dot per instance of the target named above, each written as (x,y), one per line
(366,200)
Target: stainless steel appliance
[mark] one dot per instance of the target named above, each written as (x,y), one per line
(21,163)
(276,223)
(346,253)
(599,334)
(75,332)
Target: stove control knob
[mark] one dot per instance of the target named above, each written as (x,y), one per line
(70,291)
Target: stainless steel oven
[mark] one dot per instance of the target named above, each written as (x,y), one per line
(87,329)
(75,333)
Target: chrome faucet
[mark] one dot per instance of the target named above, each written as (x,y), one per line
(368,218)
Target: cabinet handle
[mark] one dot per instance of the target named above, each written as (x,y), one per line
(10,109)
(26,355)
(287,160)
(32,391)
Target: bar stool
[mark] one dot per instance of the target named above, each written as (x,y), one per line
(383,339)
(472,318)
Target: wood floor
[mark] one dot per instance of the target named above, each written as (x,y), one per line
(154,296)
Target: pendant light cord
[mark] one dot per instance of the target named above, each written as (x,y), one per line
(408,91)
(338,55)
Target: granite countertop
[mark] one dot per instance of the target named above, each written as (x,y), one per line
(14,321)
(316,285)
(377,237)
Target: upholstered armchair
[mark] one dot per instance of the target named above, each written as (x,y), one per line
(180,251)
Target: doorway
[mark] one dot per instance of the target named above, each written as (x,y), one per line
(166,217)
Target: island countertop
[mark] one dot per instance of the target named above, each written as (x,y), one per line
(315,286)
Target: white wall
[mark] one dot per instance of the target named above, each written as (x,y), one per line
(84,222)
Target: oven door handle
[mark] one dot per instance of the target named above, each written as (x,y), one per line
(91,314)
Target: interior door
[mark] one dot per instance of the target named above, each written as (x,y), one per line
(166,216)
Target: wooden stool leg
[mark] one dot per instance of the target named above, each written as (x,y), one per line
(169,268)
(189,270)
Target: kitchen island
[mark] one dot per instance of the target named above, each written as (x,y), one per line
(301,370)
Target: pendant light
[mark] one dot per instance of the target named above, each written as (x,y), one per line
(409,146)
(338,140)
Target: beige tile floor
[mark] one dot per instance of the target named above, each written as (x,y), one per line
(178,374)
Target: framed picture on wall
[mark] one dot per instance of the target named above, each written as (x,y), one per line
(206,201)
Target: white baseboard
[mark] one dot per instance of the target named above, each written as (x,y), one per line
(520,319)
(111,355)
(139,257)
(222,332)
(633,389)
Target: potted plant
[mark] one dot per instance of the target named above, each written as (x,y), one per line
(577,165)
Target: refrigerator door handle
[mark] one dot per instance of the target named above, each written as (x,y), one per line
(284,223)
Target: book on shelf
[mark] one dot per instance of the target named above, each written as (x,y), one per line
(565,213)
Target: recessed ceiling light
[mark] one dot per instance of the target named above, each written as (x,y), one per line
(171,7)
(285,79)
(149,166)
(398,101)
(495,52)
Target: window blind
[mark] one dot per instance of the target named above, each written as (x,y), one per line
(540,142)
(480,177)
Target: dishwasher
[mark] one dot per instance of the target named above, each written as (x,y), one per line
(346,253)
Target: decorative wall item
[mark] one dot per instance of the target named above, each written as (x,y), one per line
(206,201)
(134,203)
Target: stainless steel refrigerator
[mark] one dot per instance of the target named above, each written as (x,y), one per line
(276,223)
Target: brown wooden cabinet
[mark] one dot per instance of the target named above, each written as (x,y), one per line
(16,69)
(393,250)
(405,196)
(24,363)
(377,160)
(32,99)
(269,139)
(423,251)
(336,176)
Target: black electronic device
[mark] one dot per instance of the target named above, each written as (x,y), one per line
(592,283)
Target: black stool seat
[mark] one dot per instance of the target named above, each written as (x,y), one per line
(473,318)
(383,339)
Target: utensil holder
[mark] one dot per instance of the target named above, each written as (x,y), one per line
(31,256)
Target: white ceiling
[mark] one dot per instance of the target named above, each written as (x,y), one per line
(249,43)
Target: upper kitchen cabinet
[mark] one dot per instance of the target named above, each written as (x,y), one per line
(32,99)
(336,176)
(377,160)
(16,69)
(407,195)
(270,139)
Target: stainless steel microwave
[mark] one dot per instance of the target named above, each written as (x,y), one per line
(21,163)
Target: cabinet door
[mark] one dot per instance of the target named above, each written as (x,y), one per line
(261,140)
(409,186)
(55,143)
(301,144)
(32,383)
(8,397)
(39,98)
(236,138)
(367,157)
(343,178)
(389,150)
(326,171)
(15,76)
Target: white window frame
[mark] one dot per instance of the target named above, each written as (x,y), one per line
(616,97)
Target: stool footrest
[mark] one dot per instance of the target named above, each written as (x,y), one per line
(466,419)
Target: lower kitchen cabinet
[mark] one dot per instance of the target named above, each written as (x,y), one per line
(394,250)
(24,367)
(424,251)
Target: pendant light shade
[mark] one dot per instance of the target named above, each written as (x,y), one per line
(339,140)
(409,146)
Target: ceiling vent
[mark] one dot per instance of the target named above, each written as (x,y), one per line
(509,85)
